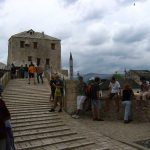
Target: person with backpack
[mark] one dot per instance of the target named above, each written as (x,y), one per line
(88,94)
(127,95)
(95,100)
(58,94)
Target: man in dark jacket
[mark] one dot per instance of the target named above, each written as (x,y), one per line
(6,134)
(4,115)
(2,135)
(95,100)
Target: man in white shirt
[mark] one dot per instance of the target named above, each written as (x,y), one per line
(114,87)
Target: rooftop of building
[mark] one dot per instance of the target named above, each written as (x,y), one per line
(140,71)
(32,34)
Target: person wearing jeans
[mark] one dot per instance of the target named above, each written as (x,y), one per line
(127,111)
(126,102)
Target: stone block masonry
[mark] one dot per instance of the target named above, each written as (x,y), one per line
(70,103)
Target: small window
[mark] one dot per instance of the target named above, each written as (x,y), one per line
(53,46)
(38,61)
(35,45)
(29,58)
(47,61)
(22,43)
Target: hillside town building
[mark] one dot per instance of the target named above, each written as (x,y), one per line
(39,48)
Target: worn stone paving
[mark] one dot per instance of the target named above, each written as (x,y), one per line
(111,133)
(37,129)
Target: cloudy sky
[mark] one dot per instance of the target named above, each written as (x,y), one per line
(104,36)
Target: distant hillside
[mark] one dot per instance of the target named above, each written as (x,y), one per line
(88,76)
(2,65)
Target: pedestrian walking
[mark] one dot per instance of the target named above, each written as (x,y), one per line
(31,71)
(39,71)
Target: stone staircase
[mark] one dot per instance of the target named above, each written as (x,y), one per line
(34,127)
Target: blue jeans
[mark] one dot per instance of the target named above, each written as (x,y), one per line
(96,104)
(25,74)
(127,111)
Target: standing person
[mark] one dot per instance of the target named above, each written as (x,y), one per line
(3,135)
(13,71)
(7,133)
(26,71)
(39,71)
(142,96)
(58,94)
(114,87)
(88,93)
(21,70)
(32,71)
(81,89)
(95,100)
(126,102)
(52,85)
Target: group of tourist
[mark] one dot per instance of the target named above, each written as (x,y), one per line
(92,94)
(6,134)
(30,72)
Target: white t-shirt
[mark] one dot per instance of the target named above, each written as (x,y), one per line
(114,87)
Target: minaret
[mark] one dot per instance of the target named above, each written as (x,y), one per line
(71,66)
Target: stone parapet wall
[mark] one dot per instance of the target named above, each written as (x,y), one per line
(70,105)
(5,79)
(70,97)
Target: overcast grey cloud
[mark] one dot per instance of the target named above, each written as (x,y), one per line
(104,36)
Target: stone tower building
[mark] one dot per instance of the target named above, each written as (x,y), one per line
(71,66)
(37,47)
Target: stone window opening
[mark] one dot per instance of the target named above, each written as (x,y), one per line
(53,46)
(38,61)
(35,45)
(29,58)
(47,61)
(22,44)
